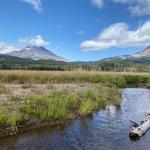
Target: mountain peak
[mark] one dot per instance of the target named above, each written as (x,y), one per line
(143,53)
(34,47)
(148,47)
(36,53)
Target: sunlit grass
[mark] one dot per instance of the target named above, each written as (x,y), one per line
(59,105)
(63,104)
(27,78)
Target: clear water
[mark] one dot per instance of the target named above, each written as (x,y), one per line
(106,130)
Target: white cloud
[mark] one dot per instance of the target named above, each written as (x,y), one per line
(98,3)
(80,32)
(36,4)
(119,36)
(36,40)
(137,7)
(6,48)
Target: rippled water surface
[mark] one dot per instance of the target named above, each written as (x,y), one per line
(106,130)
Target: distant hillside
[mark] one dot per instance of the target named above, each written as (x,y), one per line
(127,60)
(142,57)
(120,63)
(11,62)
(114,64)
(36,53)
(143,53)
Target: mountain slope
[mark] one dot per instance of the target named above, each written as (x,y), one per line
(36,53)
(142,57)
(130,60)
(143,53)
(119,63)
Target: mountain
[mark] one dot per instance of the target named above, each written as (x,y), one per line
(11,62)
(143,53)
(36,53)
(38,58)
(141,57)
(122,57)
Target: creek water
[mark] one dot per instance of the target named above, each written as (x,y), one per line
(106,130)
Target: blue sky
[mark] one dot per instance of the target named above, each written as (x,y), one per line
(76,29)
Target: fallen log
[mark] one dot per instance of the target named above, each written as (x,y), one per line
(140,130)
(134,124)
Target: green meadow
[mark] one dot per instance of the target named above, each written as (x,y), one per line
(36,98)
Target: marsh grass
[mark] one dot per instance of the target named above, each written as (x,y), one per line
(4,89)
(57,106)
(64,105)
(14,118)
(61,105)
(3,118)
(10,119)
(45,77)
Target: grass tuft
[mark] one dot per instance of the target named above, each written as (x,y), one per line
(4,89)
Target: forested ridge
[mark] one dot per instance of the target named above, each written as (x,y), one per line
(113,64)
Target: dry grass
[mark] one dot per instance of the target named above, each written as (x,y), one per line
(56,73)
(46,77)
(49,96)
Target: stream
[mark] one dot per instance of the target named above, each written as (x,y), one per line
(106,130)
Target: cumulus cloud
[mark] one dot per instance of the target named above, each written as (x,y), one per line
(6,48)
(36,4)
(98,3)
(137,7)
(118,35)
(36,40)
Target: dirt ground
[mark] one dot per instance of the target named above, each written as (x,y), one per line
(24,90)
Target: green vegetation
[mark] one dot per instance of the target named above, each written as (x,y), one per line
(4,89)
(120,80)
(115,64)
(57,105)
(64,105)
(148,84)
(11,119)
(3,118)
